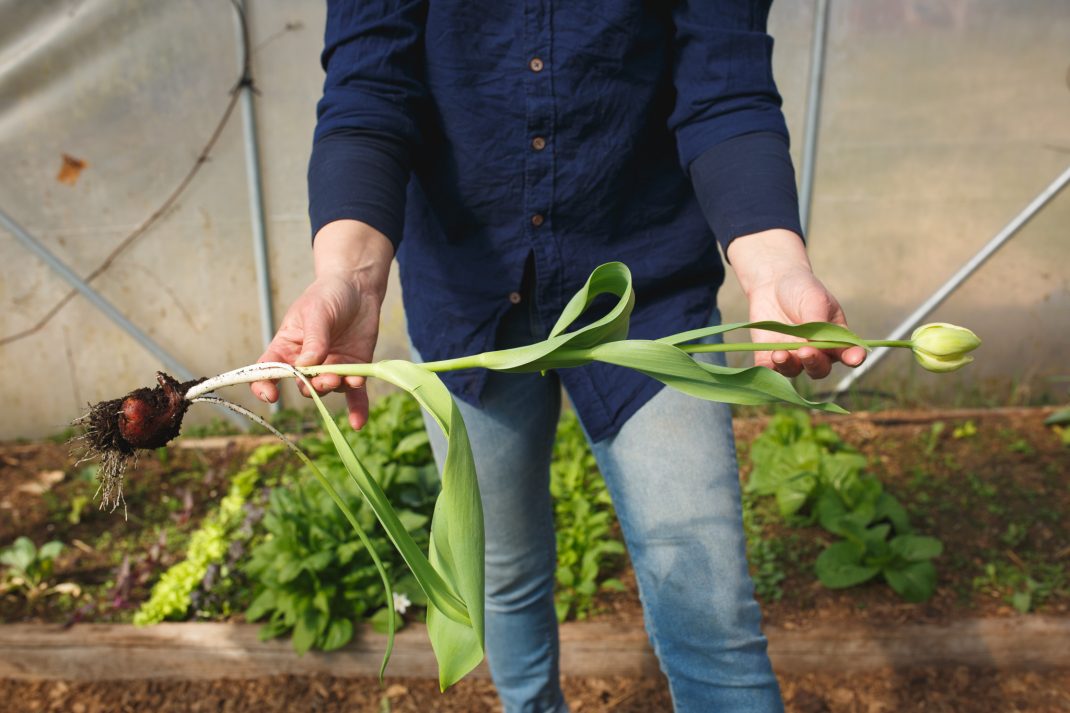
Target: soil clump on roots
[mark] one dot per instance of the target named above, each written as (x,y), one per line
(144,419)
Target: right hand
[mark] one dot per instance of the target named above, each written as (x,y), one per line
(775,274)
(336,318)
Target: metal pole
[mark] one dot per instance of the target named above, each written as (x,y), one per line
(98,301)
(813,111)
(254,184)
(958,278)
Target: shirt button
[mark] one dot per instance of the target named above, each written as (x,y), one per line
(514,297)
(538,143)
(537,219)
(535,64)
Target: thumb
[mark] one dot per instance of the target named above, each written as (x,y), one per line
(315,342)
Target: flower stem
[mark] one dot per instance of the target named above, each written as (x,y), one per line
(275,371)
(786,346)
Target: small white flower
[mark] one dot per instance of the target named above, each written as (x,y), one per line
(401,603)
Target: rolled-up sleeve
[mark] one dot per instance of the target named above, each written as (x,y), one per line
(367,120)
(730,132)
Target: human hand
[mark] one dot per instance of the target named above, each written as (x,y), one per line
(780,285)
(336,318)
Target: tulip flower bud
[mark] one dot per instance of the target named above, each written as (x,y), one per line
(942,347)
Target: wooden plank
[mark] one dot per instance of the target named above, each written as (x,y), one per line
(1020,643)
(194,651)
(210,651)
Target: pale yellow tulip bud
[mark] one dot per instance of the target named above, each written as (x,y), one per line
(943,347)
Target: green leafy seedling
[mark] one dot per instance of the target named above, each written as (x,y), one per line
(29,569)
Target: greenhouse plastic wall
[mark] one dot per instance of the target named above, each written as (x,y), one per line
(940,120)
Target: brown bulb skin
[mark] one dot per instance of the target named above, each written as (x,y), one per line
(150,418)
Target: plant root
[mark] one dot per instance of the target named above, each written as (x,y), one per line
(115,430)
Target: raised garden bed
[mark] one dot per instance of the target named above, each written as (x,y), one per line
(1000,665)
(194,650)
(991,484)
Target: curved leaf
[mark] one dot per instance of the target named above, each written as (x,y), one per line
(561,348)
(437,589)
(749,386)
(457,540)
(810,331)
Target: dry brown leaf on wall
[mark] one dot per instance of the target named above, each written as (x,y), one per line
(71,169)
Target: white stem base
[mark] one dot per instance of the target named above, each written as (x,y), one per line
(243,375)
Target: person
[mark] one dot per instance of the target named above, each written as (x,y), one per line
(501,150)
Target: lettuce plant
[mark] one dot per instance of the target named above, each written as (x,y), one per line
(451,572)
(814,475)
(171,595)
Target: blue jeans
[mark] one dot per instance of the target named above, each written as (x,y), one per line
(672,474)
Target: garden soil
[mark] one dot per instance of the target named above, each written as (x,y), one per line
(993,486)
(930,690)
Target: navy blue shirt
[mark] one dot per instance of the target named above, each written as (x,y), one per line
(483,136)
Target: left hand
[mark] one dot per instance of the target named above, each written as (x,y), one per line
(780,285)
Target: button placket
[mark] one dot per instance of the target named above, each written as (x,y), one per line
(537,177)
(538,162)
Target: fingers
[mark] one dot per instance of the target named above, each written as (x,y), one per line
(325,383)
(785,362)
(357,402)
(325,326)
(816,363)
(853,356)
(782,361)
(797,298)
(266,390)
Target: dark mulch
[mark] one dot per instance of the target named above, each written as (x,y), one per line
(934,691)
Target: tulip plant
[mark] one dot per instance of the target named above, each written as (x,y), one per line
(451,573)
